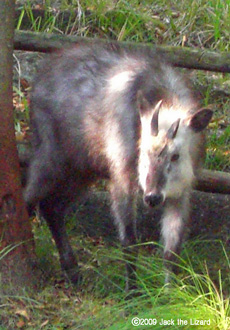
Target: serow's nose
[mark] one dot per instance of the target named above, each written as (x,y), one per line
(153,200)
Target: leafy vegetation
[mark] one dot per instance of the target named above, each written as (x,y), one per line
(201,290)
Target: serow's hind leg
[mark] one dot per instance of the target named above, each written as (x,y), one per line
(123,207)
(53,210)
(42,175)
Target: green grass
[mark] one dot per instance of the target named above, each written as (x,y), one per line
(199,292)
(218,155)
(196,23)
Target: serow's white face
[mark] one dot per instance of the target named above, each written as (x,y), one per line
(165,163)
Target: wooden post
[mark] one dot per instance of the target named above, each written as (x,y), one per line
(15,229)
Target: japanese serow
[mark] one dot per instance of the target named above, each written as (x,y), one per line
(102,111)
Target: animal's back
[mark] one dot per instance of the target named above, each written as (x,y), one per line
(77,102)
(86,97)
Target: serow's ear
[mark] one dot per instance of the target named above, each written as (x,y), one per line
(142,102)
(199,120)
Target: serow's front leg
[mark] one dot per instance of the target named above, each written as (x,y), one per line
(123,207)
(174,220)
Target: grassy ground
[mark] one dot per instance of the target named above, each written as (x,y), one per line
(199,293)
(201,290)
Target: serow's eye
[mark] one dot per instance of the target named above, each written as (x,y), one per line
(175,157)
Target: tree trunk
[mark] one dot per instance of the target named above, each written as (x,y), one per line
(15,230)
(183,57)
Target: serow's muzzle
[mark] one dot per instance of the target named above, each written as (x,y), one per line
(153,200)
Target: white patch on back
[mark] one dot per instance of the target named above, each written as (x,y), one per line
(119,81)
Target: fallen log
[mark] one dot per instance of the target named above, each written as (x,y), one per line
(179,56)
(213,181)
